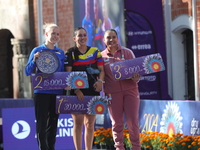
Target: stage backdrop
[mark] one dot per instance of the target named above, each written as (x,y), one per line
(145,35)
(164,116)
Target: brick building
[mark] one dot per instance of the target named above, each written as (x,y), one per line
(23,29)
(182,47)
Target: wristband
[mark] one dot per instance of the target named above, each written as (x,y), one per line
(101,81)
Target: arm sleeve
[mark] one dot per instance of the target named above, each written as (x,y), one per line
(129,54)
(30,66)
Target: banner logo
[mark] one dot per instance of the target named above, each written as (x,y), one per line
(21,129)
(171,122)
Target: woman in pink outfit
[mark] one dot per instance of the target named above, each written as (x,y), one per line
(124,94)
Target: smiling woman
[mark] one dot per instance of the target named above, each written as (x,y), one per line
(45,100)
(124,93)
(79,58)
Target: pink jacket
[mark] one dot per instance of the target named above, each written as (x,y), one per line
(111,85)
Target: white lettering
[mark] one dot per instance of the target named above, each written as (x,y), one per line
(148,78)
(53,82)
(149,93)
(131,33)
(141,47)
(64,132)
(142,32)
(65,122)
(194,130)
(74,107)
(132,70)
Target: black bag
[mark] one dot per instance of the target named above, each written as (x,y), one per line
(91,70)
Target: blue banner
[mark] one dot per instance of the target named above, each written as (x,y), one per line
(170,117)
(164,116)
(19,130)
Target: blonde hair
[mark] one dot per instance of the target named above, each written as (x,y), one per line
(48,26)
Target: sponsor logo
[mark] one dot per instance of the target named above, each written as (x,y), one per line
(171,121)
(21,129)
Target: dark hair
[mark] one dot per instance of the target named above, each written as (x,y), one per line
(77,29)
(75,49)
(112,30)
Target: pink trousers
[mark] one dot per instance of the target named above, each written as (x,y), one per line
(125,103)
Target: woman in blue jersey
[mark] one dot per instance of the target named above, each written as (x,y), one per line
(45,100)
(79,58)
(97,30)
(87,22)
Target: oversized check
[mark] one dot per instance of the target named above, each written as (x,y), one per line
(90,105)
(60,80)
(142,65)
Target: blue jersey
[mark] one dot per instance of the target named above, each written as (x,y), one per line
(31,65)
(87,24)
